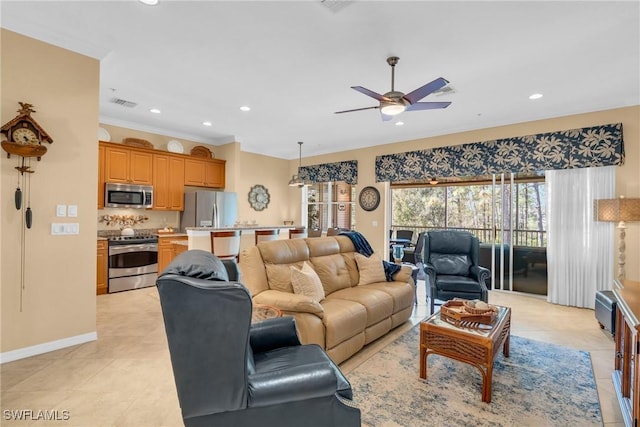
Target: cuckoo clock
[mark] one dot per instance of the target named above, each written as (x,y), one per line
(24,135)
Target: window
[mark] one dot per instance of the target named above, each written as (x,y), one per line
(476,207)
(330,205)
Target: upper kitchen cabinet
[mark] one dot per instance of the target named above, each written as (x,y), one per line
(168,186)
(128,166)
(101,151)
(204,172)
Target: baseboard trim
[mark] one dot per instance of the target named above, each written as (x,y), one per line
(34,350)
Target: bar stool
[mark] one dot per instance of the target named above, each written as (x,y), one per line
(298,233)
(266,235)
(226,244)
(316,232)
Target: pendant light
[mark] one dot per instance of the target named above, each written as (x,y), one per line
(295,180)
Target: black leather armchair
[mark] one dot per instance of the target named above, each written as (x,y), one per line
(229,372)
(451,266)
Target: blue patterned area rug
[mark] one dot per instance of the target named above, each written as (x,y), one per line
(540,384)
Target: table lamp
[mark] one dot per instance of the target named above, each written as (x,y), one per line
(619,210)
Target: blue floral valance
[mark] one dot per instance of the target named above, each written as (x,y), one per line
(567,149)
(331,172)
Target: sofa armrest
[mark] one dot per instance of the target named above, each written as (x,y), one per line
(292,384)
(273,333)
(403,275)
(480,273)
(290,302)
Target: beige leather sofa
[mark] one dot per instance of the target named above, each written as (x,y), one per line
(350,315)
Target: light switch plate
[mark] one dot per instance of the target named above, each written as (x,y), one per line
(72,211)
(61,210)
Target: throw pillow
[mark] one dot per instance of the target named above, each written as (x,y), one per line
(305,281)
(370,269)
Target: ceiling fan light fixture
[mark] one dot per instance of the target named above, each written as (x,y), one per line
(393,109)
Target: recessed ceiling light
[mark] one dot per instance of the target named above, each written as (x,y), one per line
(245,108)
(149,2)
(535,96)
(206,123)
(399,123)
(155,111)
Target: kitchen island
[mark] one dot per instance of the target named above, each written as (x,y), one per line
(200,237)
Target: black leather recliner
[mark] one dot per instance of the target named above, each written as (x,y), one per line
(229,372)
(451,265)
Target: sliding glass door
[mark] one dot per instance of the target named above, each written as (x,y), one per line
(506,212)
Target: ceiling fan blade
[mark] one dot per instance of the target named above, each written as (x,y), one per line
(370,93)
(425,90)
(427,106)
(357,109)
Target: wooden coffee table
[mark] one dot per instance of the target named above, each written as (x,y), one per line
(475,346)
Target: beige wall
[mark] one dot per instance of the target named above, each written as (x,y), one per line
(627,176)
(58,300)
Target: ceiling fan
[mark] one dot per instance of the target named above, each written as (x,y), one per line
(393,103)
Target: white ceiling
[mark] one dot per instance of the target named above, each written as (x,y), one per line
(293,63)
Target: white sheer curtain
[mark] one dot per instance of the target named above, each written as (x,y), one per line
(579,248)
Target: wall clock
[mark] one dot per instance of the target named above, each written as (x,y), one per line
(24,135)
(369,198)
(259,197)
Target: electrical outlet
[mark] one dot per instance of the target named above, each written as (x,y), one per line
(72,211)
(61,210)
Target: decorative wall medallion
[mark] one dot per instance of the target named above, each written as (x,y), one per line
(369,198)
(259,197)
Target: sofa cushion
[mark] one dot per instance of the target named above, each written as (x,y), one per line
(332,271)
(379,304)
(456,265)
(278,256)
(305,281)
(370,269)
(402,293)
(342,320)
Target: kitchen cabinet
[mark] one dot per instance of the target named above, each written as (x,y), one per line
(626,381)
(168,186)
(128,166)
(166,251)
(204,173)
(101,152)
(101,267)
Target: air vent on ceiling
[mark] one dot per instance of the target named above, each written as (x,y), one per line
(335,5)
(123,102)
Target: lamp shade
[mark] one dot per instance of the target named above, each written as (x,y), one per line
(616,210)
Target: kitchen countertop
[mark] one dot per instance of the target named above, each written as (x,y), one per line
(242,227)
(164,235)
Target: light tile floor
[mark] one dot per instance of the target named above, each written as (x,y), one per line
(125,379)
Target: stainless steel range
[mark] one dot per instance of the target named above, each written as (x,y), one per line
(133,262)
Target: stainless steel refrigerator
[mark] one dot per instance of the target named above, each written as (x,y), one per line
(206,208)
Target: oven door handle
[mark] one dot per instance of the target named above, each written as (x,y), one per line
(148,247)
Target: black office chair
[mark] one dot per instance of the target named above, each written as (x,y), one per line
(451,265)
(229,372)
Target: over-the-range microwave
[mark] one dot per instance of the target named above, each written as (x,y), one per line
(128,196)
